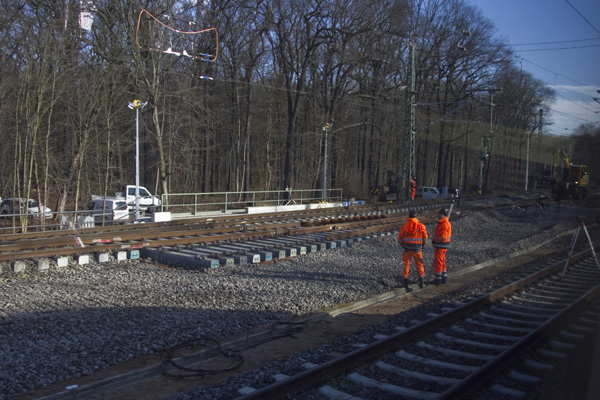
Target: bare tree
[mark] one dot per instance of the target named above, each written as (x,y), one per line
(285,68)
(295,30)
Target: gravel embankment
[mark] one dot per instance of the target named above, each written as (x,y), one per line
(71,322)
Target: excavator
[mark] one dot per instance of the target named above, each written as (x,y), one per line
(573,182)
(390,191)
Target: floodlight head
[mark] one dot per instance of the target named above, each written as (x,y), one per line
(136,104)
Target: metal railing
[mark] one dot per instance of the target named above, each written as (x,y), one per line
(226,201)
(192,203)
(21,223)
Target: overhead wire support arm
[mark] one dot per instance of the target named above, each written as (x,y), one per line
(489,90)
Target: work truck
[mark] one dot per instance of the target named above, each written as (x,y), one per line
(148,202)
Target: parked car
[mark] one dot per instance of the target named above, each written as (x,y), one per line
(14,205)
(108,210)
(427,192)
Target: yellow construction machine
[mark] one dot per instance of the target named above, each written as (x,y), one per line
(570,181)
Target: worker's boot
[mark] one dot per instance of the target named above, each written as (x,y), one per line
(406,285)
(436,281)
(420,282)
(444,277)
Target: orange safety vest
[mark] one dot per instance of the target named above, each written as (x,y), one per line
(413,235)
(442,235)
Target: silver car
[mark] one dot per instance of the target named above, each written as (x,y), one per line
(428,192)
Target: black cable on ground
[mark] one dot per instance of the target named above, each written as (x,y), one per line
(236,359)
(215,346)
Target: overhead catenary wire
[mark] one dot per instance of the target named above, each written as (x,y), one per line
(206,77)
(557,42)
(443,117)
(582,16)
(578,104)
(560,48)
(555,73)
(586,43)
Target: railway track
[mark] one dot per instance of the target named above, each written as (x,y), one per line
(439,356)
(468,348)
(199,231)
(269,233)
(120,273)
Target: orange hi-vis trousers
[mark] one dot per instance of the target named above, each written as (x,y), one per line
(417,257)
(439,261)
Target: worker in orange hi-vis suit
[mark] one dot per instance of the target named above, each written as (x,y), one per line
(413,237)
(441,243)
(413,188)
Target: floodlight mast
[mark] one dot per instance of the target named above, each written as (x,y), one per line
(137,105)
(326,129)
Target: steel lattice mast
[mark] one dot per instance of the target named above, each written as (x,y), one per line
(409,145)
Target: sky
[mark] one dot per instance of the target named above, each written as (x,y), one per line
(558,42)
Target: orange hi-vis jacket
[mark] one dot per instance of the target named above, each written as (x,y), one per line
(442,235)
(413,235)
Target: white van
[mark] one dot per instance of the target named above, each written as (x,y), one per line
(108,211)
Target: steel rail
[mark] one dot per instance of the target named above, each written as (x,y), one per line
(331,369)
(121,380)
(339,223)
(102,243)
(477,379)
(165,231)
(190,232)
(211,220)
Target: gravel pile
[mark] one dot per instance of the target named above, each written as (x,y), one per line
(71,322)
